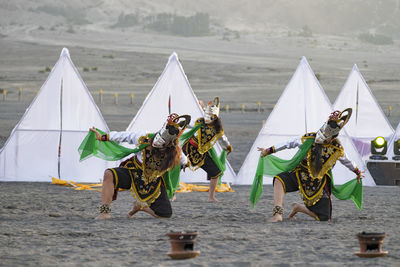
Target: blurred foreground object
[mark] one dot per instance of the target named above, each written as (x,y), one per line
(371,245)
(182,244)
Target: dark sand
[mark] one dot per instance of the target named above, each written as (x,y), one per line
(49,225)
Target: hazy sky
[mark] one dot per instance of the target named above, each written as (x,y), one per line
(321,16)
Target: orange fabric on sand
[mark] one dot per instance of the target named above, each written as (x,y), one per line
(183,187)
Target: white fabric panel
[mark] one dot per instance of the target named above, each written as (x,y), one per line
(31,152)
(295,112)
(90,170)
(44,111)
(341,174)
(303,107)
(79,109)
(368,121)
(26,158)
(154,111)
(395,136)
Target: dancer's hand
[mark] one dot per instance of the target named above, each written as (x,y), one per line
(98,135)
(183,167)
(360,175)
(229,149)
(264,152)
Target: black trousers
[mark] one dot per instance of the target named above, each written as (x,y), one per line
(161,206)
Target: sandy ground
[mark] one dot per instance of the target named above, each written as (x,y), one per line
(46,225)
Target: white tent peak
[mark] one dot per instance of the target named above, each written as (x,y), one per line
(305,62)
(65,53)
(173,56)
(173,84)
(300,94)
(45,141)
(368,119)
(303,107)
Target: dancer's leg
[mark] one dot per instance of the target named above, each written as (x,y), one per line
(279,194)
(107,193)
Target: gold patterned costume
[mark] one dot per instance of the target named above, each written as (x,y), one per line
(155,154)
(312,184)
(144,179)
(196,148)
(309,170)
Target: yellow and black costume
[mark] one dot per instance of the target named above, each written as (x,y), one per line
(197,147)
(141,173)
(311,176)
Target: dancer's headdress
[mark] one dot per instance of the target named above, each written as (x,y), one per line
(171,130)
(332,127)
(211,109)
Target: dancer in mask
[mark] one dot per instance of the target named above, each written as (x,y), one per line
(312,175)
(197,147)
(143,172)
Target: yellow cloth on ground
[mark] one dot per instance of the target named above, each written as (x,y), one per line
(182,186)
(75,185)
(202,188)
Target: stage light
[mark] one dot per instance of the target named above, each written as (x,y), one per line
(378,148)
(379,142)
(396,149)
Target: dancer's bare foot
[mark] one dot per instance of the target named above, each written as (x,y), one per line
(131,213)
(296,208)
(276,218)
(213,199)
(103,216)
(134,209)
(173,198)
(301,208)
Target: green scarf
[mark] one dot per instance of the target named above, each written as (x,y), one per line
(107,150)
(272,165)
(112,151)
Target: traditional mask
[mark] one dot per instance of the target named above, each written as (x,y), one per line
(171,130)
(212,110)
(332,127)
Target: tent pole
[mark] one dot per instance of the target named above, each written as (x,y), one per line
(305,108)
(60,139)
(357,96)
(169,105)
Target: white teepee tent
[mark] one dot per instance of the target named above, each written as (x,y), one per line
(173,86)
(368,120)
(395,137)
(45,142)
(303,107)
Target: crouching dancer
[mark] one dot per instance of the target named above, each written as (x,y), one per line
(143,172)
(311,173)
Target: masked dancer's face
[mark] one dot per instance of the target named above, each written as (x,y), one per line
(165,136)
(209,118)
(327,133)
